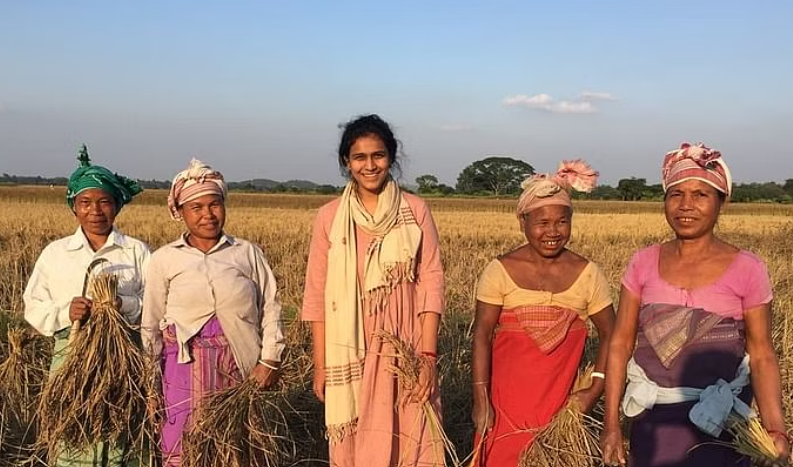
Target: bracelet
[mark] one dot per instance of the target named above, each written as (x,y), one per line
(598,374)
(480,383)
(780,433)
(429,354)
(274,368)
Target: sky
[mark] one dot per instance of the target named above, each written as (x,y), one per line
(258,89)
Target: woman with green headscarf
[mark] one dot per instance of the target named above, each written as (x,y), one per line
(53,296)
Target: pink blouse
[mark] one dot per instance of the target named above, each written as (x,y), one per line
(743,285)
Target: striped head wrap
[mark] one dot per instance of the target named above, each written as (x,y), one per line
(696,162)
(554,189)
(88,176)
(197,180)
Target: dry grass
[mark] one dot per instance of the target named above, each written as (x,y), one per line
(242,426)
(22,374)
(406,366)
(752,440)
(99,393)
(472,232)
(570,438)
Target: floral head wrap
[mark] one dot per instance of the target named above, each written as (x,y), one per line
(197,180)
(696,162)
(548,189)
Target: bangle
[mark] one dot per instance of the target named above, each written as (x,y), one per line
(262,362)
(598,374)
(429,354)
(780,433)
(480,383)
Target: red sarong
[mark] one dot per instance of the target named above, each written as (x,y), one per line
(528,386)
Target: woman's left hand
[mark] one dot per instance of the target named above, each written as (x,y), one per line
(428,374)
(585,399)
(265,376)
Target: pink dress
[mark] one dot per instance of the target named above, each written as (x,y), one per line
(387,434)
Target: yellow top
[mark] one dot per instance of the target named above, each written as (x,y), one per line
(588,295)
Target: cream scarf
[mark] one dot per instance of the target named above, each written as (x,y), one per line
(390,260)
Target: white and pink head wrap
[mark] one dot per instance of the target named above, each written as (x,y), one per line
(197,180)
(696,162)
(554,189)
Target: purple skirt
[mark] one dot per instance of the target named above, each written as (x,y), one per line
(184,384)
(664,436)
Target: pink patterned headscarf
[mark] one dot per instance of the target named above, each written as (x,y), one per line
(696,162)
(197,180)
(554,189)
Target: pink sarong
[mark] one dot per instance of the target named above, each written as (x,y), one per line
(184,384)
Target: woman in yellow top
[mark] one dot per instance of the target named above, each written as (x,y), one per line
(530,326)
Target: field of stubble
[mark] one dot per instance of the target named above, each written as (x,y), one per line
(472,232)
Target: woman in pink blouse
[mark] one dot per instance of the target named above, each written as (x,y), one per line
(693,334)
(374,265)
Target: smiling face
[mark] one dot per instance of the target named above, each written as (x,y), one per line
(369,164)
(204,217)
(547,229)
(692,208)
(95,210)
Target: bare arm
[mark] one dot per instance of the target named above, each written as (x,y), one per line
(485,323)
(621,348)
(604,324)
(318,355)
(765,374)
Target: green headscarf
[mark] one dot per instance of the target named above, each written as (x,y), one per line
(121,188)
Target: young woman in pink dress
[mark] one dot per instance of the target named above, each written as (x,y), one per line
(374,265)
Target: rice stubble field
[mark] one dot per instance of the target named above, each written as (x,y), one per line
(472,232)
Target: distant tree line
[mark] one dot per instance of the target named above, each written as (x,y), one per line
(497,176)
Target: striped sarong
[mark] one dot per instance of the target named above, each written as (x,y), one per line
(185,384)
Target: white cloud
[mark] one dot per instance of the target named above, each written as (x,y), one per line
(455,127)
(583,104)
(596,96)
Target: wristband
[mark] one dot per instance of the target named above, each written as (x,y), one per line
(432,355)
(480,383)
(781,434)
(598,374)
(262,362)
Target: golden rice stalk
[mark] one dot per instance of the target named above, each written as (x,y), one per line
(752,440)
(241,426)
(571,437)
(407,368)
(99,393)
(22,375)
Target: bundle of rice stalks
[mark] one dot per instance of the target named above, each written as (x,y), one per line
(407,368)
(752,440)
(569,439)
(241,426)
(99,393)
(22,374)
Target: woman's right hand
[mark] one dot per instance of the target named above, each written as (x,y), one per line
(319,383)
(611,443)
(483,416)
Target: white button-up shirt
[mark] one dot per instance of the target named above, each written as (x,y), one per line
(60,270)
(187,287)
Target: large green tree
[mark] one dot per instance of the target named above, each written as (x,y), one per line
(632,189)
(427,183)
(497,175)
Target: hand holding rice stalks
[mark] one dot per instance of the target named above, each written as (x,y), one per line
(241,426)
(407,369)
(99,393)
(752,440)
(22,375)
(570,439)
